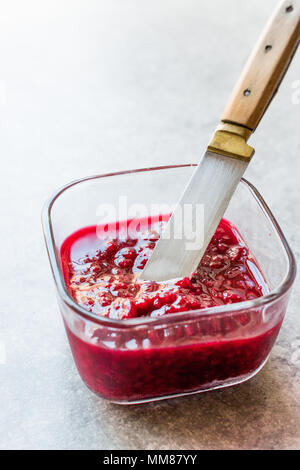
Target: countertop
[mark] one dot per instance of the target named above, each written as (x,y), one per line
(91,86)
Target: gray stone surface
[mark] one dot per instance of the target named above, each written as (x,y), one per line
(90,86)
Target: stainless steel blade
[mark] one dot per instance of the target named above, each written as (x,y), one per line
(177,254)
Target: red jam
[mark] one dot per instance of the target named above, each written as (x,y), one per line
(121,365)
(101,276)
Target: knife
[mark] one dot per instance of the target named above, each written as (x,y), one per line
(208,193)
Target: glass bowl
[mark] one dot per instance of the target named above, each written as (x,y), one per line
(146,359)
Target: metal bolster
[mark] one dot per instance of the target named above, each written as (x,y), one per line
(231,140)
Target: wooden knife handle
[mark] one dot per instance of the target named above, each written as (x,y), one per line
(266,67)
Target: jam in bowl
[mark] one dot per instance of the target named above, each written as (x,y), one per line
(136,341)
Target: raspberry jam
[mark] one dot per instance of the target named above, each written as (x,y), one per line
(124,365)
(101,274)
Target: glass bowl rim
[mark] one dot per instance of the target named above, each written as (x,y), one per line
(223,310)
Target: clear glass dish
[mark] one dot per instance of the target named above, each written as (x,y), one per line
(146,359)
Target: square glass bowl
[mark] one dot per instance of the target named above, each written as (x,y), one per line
(146,359)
